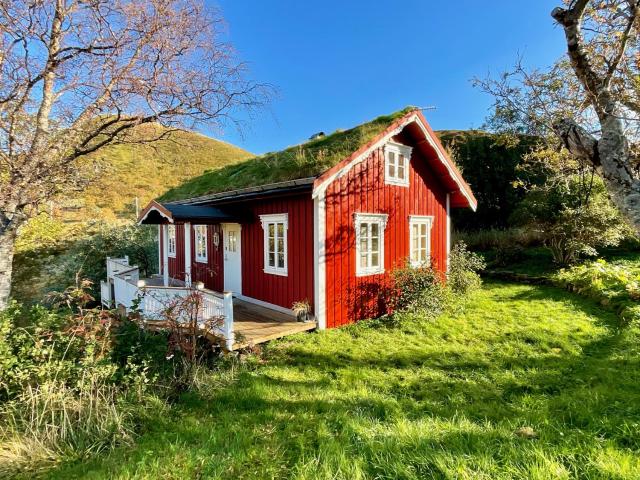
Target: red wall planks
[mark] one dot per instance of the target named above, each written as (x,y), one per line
(298,284)
(210,273)
(362,189)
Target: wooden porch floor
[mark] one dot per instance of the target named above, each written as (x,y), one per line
(254,324)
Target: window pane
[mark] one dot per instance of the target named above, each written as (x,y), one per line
(374,244)
(363,260)
(392,164)
(272,259)
(363,230)
(281,230)
(280,260)
(271,228)
(374,229)
(272,245)
(423,242)
(423,229)
(401,167)
(375,259)
(280,244)
(364,246)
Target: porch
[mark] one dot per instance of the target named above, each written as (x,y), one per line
(239,323)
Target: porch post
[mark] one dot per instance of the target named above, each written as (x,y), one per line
(229,335)
(165,255)
(187,254)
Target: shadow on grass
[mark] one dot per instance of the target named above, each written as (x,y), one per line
(416,414)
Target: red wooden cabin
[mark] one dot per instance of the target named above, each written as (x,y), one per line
(343,211)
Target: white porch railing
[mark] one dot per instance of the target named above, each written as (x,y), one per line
(105,293)
(152,301)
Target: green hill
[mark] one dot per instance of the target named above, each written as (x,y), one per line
(146,171)
(77,229)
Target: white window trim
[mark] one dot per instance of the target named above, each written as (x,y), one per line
(265,220)
(381,220)
(170,253)
(420,220)
(200,258)
(398,149)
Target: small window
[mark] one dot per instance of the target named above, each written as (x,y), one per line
(201,243)
(370,243)
(420,240)
(397,164)
(233,242)
(171,240)
(275,243)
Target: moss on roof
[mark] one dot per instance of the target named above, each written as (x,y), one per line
(308,159)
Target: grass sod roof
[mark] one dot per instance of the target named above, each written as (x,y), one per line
(305,160)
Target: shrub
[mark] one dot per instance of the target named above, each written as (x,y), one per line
(418,290)
(615,286)
(464,266)
(573,219)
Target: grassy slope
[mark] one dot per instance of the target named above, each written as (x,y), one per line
(146,171)
(300,161)
(126,172)
(431,400)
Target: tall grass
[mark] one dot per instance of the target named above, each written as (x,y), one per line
(53,421)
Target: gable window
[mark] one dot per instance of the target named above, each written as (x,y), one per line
(420,240)
(201,243)
(171,240)
(396,164)
(370,243)
(275,243)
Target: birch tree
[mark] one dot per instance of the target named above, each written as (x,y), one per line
(78,75)
(590,99)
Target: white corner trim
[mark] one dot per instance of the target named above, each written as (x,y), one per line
(265,220)
(398,149)
(448,228)
(319,260)
(187,254)
(381,219)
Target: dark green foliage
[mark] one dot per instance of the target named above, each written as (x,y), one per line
(491,166)
(572,220)
(463,277)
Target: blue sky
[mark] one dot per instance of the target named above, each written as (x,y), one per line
(338,63)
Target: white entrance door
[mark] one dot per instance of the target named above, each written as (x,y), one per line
(232,258)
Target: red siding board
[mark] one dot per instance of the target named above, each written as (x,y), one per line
(298,284)
(362,189)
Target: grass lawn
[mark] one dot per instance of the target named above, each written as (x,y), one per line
(429,399)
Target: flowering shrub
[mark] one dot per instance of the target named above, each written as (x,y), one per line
(616,286)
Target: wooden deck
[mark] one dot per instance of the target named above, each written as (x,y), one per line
(254,324)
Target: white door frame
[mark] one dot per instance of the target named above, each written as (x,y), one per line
(225,240)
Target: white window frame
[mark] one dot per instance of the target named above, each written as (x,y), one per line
(370,218)
(396,150)
(420,220)
(171,241)
(200,231)
(275,219)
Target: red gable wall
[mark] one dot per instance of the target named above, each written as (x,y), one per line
(362,189)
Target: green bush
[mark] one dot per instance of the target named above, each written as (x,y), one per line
(418,290)
(615,286)
(464,266)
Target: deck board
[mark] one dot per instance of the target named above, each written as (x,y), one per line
(254,324)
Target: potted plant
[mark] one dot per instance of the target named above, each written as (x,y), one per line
(301,310)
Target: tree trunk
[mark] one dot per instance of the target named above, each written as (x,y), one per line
(7,242)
